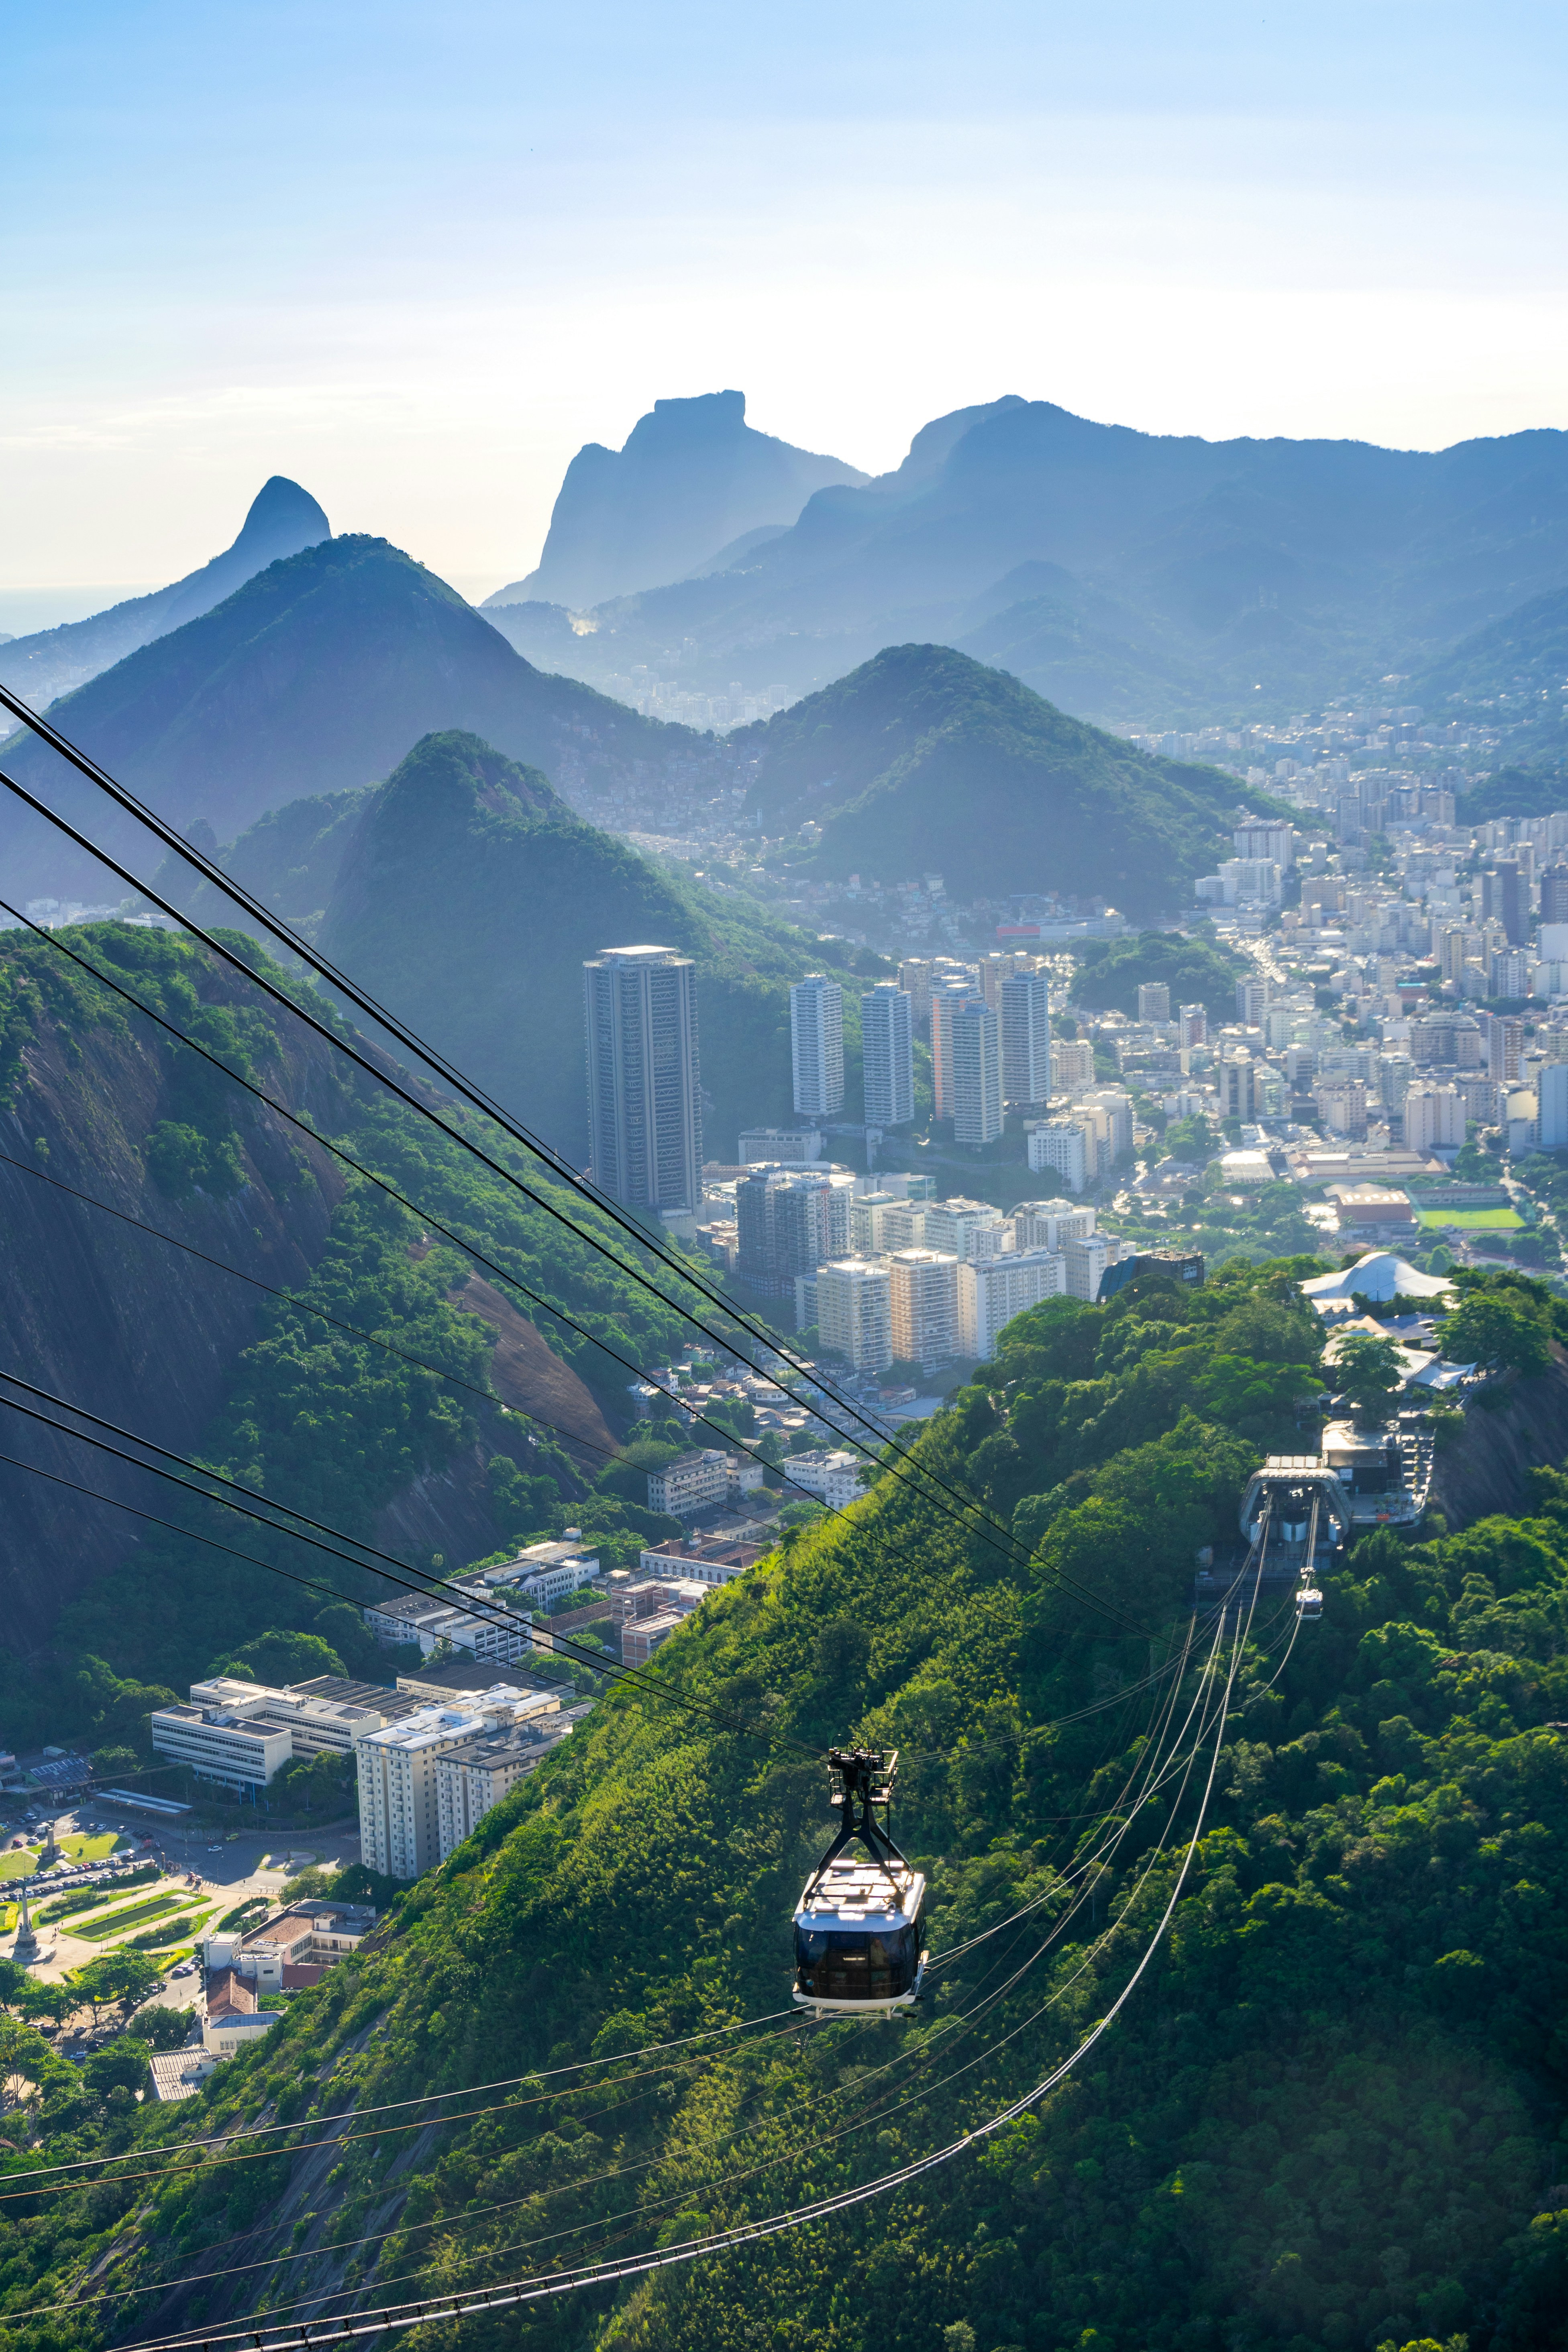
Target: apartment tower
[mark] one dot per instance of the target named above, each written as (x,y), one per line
(1025,1018)
(976,1076)
(817,1046)
(887,1033)
(645,1108)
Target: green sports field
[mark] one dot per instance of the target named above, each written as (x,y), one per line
(1476,1219)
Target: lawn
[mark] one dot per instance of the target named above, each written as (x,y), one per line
(104,1924)
(1474,1219)
(170,1931)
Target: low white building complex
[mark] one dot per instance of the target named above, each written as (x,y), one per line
(241,1734)
(511,1590)
(833,1479)
(701,1481)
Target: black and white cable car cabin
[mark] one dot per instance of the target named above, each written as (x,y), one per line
(859,1926)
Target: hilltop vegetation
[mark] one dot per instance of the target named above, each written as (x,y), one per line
(923,759)
(1111,972)
(1329,2116)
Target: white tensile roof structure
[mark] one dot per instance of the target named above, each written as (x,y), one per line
(1378,1275)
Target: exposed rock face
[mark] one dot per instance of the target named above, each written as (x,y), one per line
(449,1508)
(129,1326)
(137,1329)
(693,478)
(526,1375)
(283,518)
(1487,1471)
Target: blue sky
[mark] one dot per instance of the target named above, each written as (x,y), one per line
(415,257)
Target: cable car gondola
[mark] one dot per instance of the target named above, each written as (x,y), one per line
(859,1926)
(1309,1602)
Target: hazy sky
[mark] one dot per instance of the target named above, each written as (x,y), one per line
(416,256)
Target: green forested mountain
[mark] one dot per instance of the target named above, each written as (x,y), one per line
(1514,671)
(925,759)
(314,677)
(1330,2115)
(114,1320)
(467,899)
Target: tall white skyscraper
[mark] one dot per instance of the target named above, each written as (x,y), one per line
(1025,1039)
(886,1033)
(816,1046)
(976,1089)
(948,999)
(645,1108)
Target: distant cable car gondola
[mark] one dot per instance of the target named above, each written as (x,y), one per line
(1309,1602)
(859,1926)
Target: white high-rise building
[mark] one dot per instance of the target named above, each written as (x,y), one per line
(1551,1088)
(976,1075)
(1072,1066)
(645,1103)
(1025,1018)
(1062,1146)
(853,1312)
(886,1046)
(991,1291)
(1262,839)
(948,999)
(1434,1118)
(399,1789)
(923,1305)
(1046,1224)
(817,1046)
(1086,1260)
(953,1226)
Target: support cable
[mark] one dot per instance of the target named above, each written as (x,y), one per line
(692,1276)
(1014,1555)
(539,2287)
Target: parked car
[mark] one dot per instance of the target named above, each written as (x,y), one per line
(186,1969)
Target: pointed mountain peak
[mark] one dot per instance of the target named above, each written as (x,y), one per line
(281,509)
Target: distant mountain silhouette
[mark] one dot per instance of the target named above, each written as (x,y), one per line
(925,760)
(283,518)
(316,676)
(693,478)
(1186,573)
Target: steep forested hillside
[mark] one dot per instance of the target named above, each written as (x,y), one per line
(925,759)
(1330,2115)
(121,1322)
(468,904)
(316,676)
